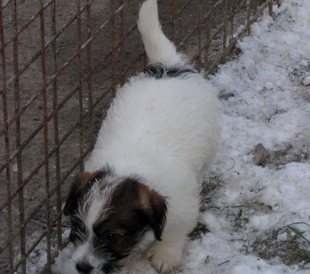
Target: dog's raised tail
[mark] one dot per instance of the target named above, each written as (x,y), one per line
(158,47)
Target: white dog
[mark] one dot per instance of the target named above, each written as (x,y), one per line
(145,172)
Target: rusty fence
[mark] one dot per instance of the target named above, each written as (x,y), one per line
(60,64)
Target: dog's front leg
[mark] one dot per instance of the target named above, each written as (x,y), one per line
(166,255)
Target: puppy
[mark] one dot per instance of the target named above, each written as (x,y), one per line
(145,172)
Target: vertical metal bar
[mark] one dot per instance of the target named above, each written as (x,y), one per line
(80,85)
(7,142)
(225,26)
(248,23)
(22,233)
(173,21)
(255,7)
(56,125)
(45,136)
(231,9)
(181,24)
(270,7)
(122,50)
(145,59)
(112,7)
(89,68)
(208,35)
(199,35)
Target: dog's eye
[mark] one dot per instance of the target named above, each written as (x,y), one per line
(112,238)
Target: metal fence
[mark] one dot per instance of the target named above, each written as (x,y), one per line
(60,64)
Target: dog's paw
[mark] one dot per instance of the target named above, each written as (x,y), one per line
(164,258)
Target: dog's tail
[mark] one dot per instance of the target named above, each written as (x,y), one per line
(158,47)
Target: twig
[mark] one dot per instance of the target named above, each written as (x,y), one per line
(224,262)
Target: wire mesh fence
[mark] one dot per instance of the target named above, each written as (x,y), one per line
(61,62)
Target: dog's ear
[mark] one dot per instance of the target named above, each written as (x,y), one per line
(79,188)
(154,208)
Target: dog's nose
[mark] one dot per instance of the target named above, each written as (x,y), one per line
(84,268)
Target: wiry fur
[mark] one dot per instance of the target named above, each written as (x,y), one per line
(163,126)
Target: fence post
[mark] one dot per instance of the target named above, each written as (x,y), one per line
(270,7)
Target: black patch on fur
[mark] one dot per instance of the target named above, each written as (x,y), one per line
(78,231)
(158,71)
(79,188)
(83,267)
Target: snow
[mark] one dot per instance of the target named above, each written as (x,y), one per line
(270,105)
(306,81)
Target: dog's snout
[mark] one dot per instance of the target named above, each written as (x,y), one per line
(84,268)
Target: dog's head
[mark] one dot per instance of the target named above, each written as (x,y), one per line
(109,216)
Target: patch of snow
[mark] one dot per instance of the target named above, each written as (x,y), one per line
(306,81)
(269,85)
(270,196)
(282,237)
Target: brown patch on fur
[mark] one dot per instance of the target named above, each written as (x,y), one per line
(154,207)
(133,208)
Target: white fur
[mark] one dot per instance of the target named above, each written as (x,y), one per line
(94,202)
(158,47)
(165,131)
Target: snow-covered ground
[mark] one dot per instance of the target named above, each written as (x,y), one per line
(266,94)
